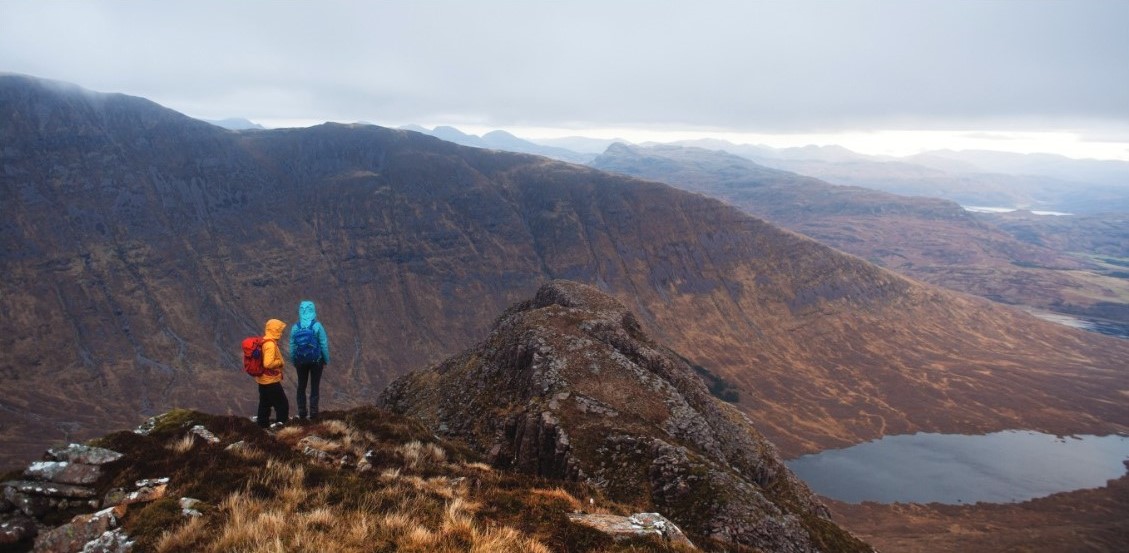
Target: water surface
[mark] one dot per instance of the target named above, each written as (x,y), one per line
(952,468)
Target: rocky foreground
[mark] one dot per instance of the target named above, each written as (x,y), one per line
(362,480)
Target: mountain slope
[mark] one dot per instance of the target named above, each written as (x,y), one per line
(928,239)
(142,245)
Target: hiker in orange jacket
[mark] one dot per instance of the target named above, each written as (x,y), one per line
(271,394)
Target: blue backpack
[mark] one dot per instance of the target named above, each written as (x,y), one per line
(307,347)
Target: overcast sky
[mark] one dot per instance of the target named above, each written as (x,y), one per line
(1034,74)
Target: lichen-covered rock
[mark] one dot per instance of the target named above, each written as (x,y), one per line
(567,385)
(84,454)
(28,504)
(114,541)
(640,525)
(74,535)
(144,491)
(188,507)
(50,489)
(202,432)
(64,472)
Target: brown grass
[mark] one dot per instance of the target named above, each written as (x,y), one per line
(280,511)
(183,445)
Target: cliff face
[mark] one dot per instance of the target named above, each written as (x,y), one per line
(140,246)
(569,386)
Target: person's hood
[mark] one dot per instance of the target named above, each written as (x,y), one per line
(306,313)
(274,329)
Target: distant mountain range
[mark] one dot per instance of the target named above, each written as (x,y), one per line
(929,239)
(502,140)
(1040,182)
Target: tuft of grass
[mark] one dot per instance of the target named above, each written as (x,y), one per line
(183,445)
(417,455)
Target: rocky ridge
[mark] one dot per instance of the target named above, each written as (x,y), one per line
(568,386)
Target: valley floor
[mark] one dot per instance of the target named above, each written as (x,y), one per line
(1094,520)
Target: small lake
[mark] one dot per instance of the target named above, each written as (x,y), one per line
(1109,328)
(951,468)
(986,209)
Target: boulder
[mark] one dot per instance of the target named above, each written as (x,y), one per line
(207,435)
(114,541)
(74,535)
(84,454)
(30,505)
(147,490)
(50,489)
(639,525)
(64,472)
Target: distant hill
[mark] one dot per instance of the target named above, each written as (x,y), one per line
(584,145)
(502,140)
(1108,173)
(996,179)
(236,124)
(926,238)
(141,245)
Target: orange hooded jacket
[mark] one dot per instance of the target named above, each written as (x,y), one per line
(272,357)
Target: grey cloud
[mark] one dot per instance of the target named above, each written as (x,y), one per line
(752,66)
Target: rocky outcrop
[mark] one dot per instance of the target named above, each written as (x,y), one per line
(76,482)
(567,385)
(61,482)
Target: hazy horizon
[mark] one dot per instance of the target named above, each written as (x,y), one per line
(875,76)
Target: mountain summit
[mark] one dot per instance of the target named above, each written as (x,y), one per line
(568,386)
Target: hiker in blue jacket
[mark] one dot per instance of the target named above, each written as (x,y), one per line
(309,352)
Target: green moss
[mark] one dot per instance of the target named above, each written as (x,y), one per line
(176,421)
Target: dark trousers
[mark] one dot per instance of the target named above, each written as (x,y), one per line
(272,396)
(311,373)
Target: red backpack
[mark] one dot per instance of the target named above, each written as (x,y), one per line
(253,355)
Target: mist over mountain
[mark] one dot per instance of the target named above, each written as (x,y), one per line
(972,178)
(143,245)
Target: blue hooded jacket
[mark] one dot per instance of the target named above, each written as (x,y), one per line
(307,314)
